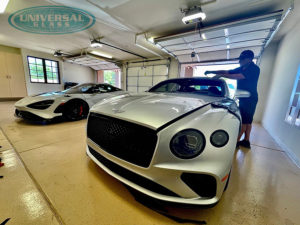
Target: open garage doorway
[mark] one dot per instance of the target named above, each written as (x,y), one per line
(198,70)
(112,77)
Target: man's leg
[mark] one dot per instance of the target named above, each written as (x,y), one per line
(245,142)
(248,131)
(243,130)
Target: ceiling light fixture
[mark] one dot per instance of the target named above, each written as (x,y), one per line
(193,15)
(3,5)
(101,54)
(95,44)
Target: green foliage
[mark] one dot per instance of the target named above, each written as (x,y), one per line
(110,77)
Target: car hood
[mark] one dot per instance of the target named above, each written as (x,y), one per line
(39,97)
(152,110)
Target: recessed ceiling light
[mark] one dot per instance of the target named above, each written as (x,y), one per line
(228,46)
(101,54)
(3,5)
(96,44)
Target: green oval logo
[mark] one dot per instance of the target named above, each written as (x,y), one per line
(51,20)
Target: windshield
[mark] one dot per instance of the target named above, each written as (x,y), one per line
(91,89)
(192,86)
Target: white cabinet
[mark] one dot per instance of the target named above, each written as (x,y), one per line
(12,79)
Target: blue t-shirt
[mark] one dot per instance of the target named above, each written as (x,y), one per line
(251,73)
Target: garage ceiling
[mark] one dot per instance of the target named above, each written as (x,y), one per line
(222,42)
(118,21)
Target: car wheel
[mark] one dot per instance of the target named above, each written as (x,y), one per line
(75,110)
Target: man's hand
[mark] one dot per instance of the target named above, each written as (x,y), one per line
(208,72)
(217,77)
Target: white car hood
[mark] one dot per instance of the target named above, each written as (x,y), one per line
(37,98)
(151,110)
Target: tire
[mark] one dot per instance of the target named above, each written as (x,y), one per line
(227,183)
(75,110)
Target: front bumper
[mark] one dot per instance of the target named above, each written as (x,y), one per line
(35,114)
(153,181)
(197,181)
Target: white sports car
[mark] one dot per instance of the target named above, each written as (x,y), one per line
(72,104)
(174,143)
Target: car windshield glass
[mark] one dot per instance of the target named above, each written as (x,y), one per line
(80,89)
(192,86)
(91,89)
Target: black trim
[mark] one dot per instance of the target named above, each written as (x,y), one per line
(202,184)
(219,146)
(28,116)
(131,176)
(180,117)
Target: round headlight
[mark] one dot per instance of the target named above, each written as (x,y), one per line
(219,138)
(187,144)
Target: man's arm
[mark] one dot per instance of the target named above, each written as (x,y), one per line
(226,74)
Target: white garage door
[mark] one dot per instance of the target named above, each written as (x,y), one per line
(140,79)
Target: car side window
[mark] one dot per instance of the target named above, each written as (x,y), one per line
(169,87)
(89,89)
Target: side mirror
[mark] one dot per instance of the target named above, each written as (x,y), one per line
(242,94)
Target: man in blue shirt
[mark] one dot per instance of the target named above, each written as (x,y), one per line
(247,78)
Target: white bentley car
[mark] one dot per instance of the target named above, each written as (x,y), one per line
(72,104)
(174,143)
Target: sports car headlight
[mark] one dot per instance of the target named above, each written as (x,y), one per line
(187,144)
(219,138)
(41,105)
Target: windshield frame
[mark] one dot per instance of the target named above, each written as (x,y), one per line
(186,82)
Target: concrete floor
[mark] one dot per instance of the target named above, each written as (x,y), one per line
(48,179)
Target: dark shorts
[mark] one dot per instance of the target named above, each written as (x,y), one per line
(247,109)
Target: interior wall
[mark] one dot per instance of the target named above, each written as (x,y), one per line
(68,72)
(266,73)
(77,73)
(284,75)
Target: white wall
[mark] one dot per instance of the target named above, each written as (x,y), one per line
(77,73)
(281,86)
(68,72)
(266,72)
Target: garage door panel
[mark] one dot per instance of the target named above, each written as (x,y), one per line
(145,71)
(132,81)
(143,89)
(134,71)
(145,81)
(141,78)
(158,79)
(132,89)
(160,70)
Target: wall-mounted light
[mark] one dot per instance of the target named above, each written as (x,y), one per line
(96,44)
(101,54)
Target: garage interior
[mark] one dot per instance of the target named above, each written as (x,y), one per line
(47,177)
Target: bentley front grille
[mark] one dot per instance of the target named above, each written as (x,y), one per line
(128,141)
